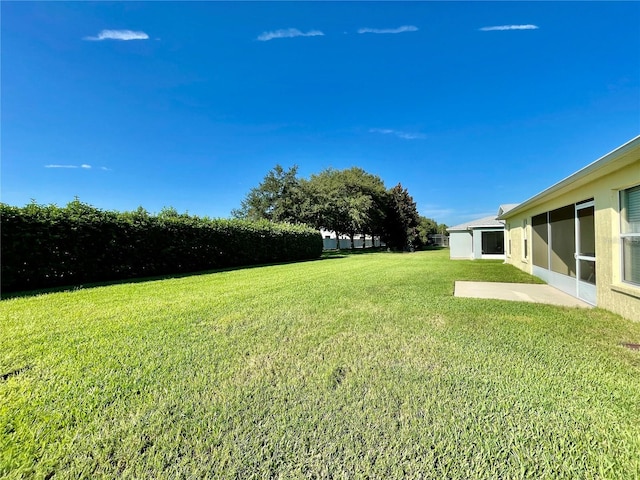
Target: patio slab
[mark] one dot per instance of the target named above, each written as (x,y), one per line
(518,292)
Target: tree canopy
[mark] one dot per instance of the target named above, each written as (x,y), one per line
(401,218)
(277,198)
(348,202)
(426,227)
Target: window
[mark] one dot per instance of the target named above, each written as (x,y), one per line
(492,243)
(524,239)
(630,234)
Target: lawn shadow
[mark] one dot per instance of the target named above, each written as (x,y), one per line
(366,251)
(344,252)
(154,278)
(326,255)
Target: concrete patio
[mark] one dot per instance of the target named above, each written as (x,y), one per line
(518,292)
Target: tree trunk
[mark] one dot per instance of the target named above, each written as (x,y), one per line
(353,246)
(337,240)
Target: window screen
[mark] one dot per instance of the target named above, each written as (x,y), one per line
(630,235)
(563,240)
(492,242)
(540,239)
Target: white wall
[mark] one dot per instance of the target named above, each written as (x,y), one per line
(345,242)
(461,244)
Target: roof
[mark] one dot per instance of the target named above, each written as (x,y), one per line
(506,207)
(483,222)
(612,161)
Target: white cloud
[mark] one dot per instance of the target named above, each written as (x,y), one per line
(509,27)
(404,28)
(385,131)
(118,35)
(288,33)
(84,166)
(399,134)
(411,136)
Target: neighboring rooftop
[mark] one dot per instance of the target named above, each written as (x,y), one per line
(506,207)
(489,221)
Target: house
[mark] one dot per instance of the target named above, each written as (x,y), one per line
(479,239)
(582,235)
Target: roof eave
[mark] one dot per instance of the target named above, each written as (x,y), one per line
(575,177)
(473,227)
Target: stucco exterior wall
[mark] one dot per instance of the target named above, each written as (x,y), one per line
(461,244)
(612,293)
(514,241)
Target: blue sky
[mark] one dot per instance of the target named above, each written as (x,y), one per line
(190,104)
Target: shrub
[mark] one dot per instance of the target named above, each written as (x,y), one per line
(46,245)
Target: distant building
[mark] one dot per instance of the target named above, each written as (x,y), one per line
(482,238)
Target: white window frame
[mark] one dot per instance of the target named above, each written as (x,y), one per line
(624,235)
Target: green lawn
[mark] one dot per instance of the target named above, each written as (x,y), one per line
(362,366)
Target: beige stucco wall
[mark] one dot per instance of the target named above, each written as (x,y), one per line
(612,293)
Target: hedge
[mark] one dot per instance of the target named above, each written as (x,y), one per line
(46,245)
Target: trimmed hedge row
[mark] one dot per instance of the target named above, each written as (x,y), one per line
(47,246)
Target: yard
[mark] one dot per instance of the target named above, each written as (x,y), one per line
(357,366)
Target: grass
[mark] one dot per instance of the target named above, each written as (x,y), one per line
(357,366)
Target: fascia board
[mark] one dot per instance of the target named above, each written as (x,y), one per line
(582,176)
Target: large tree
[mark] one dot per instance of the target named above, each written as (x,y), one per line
(349,201)
(401,219)
(374,209)
(326,206)
(426,227)
(278,198)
